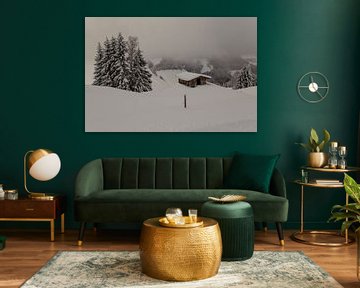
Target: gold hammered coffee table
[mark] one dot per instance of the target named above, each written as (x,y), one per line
(180,254)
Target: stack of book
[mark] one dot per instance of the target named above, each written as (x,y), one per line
(327,181)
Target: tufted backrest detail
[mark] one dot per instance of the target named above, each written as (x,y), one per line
(165,173)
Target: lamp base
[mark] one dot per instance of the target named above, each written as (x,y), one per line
(41,196)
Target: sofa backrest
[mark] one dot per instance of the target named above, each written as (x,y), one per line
(165,173)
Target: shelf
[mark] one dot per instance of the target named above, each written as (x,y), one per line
(313,184)
(348,169)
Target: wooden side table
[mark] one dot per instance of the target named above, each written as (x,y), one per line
(26,209)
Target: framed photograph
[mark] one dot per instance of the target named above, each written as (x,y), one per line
(166,74)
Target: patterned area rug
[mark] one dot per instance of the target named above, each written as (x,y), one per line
(122,269)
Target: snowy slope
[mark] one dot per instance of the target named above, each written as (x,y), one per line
(210,108)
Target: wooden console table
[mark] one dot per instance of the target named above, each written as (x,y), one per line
(26,209)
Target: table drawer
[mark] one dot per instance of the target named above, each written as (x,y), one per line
(28,209)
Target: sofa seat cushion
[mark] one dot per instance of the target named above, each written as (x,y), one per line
(179,195)
(266,207)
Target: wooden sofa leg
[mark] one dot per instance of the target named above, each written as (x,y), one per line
(81,233)
(280,233)
(265,227)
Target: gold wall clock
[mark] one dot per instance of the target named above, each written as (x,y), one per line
(313,87)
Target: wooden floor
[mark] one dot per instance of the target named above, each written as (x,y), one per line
(28,250)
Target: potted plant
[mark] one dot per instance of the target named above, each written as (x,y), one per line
(317,157)
(350,214)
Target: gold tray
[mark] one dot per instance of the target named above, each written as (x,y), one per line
(165,222)
(228,198)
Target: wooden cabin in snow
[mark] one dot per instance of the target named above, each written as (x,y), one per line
(192,79)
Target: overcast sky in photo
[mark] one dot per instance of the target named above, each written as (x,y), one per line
(183,37)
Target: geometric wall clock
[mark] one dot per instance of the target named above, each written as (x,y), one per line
(313,87)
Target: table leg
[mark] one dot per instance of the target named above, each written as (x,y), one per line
(346,230)
(52,230)
(63,223)
(302,209)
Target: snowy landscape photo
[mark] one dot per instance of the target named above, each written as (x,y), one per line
(167,74)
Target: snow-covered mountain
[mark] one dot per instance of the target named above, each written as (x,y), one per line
(209,108)
(220,69)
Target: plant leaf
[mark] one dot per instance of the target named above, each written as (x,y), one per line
(337,216)
(350,207)
(306,146)
(312,144)
(326,136)
(346,225)
(352,188)
(314,135)
(321,146)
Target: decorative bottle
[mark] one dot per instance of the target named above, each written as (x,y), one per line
(2,192)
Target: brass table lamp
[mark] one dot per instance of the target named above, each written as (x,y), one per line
(43,165)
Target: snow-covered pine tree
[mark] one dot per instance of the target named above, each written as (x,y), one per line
(112,62)
(98,65)
(121,69)
(121,65)
(106,65)
(139,78)
(244,78)
(142,81)
(132,45)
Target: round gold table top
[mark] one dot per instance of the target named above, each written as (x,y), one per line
(154,223)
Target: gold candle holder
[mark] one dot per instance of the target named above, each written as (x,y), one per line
(333,163)
(342,150)
(342,154)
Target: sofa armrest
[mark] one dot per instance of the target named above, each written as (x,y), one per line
(89,179)
(277,184)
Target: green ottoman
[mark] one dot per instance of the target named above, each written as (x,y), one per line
(236,221)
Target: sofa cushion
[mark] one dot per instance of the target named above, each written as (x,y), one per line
(251,172)
(164,173)
(266,206)
(197,173)
(181,173)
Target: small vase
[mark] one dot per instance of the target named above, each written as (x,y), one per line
(317,159)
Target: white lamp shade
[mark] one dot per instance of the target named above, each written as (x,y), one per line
(46,168)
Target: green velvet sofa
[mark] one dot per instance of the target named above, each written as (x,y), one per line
(130,190)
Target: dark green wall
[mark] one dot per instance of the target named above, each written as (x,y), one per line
(42,81)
